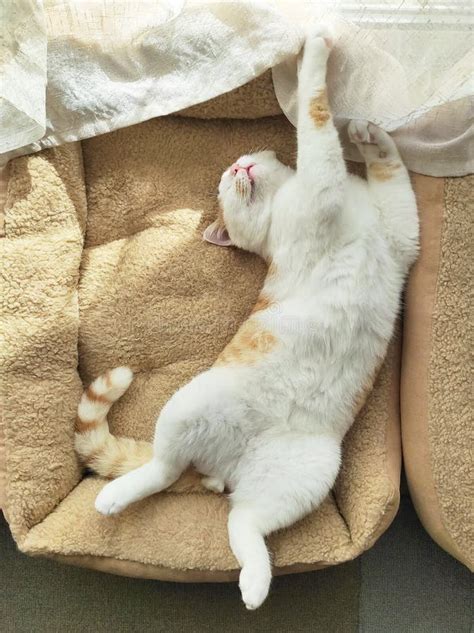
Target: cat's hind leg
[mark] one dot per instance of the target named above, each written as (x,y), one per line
(142,482)
(161,471)
(167,464)
(186,425)
(280,480)
(389,186)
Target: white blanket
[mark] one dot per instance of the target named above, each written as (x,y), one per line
(73,70)
(114,64)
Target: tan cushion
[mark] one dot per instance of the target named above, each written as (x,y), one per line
(252,100)
(435,383)
(4,171)
(145,290)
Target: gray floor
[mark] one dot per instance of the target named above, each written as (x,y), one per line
(404,584)
(410,585)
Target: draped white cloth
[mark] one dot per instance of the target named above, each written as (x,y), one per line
(72,70)
(113,63)
(406,65)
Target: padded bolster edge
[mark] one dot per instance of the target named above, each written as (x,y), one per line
(417,414)
(134,569)
(41,247)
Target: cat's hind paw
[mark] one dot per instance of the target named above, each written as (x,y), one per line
(254,586)
(110,499)
(213,484)
(373,142)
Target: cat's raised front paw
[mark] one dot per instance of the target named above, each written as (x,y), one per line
(358,131)
(318,31)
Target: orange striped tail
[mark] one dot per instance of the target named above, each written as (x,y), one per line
(98,449)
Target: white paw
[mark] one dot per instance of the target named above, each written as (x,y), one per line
(373,141)
(110,499)
(359,132)
(318,31)
(213,484)
(254,586)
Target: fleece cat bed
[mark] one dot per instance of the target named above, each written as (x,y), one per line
(436,370)
(104,264)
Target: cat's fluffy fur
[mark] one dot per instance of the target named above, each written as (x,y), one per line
(267,421)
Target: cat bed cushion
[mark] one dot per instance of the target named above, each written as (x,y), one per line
(435,380)
(103,264)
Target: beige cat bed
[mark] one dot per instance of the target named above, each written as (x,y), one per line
(103,264)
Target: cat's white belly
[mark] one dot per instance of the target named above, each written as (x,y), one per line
(285,392)
(331,338)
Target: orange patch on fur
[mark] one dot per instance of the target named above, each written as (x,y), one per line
(96,397)
(319,109)
(116,465)
(263,302)
(249,344)
(85,427)
(220,217)
(94,455)
(383,171)
(272,270)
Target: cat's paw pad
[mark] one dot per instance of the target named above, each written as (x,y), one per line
(254,587)
(373,141)
(359,131)
(380,137)
(109,500)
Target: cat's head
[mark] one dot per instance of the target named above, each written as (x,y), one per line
(246,190)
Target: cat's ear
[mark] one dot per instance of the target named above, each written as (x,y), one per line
(217,234)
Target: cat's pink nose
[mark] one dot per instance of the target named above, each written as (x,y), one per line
(236,167)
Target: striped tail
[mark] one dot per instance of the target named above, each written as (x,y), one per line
(99,450)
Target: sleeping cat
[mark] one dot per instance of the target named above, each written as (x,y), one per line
(266,422)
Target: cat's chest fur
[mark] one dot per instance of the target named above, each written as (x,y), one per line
(350,288)
(330,318)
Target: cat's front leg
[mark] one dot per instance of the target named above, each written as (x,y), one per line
(320,165)
(390,187)
(312,73)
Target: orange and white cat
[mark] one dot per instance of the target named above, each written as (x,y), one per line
(266,422)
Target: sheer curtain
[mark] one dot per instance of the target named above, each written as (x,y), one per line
(71,70)
(23,46)
(406,65)
(112,63)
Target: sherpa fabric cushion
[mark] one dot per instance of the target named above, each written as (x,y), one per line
(145,290)
(436,369)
